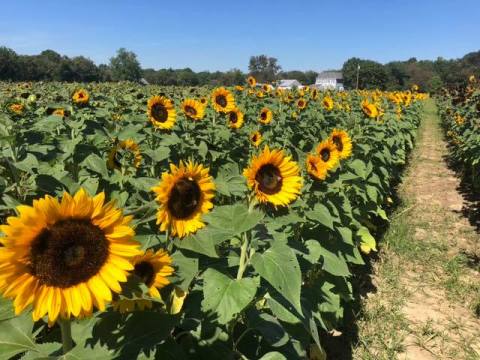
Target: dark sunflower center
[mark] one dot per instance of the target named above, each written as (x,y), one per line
(313,165)
(254,138)
(80,95)
(221,100)
(269,179)
(338,142)
(325,154)
(184,198)
(159,113)
(233,117)
(263,115)
(300,103)
(190,110)
(145,271)
(68,253)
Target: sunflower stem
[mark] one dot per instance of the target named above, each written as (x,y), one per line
(66,329)
(243,257)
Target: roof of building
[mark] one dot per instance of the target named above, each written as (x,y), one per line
(288,82)
(330,75)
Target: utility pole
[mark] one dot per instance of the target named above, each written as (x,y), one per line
(358,71)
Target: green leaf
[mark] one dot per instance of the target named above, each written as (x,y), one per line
(97,164)
(27,164)
(359,167)
(273,355)
(186,269)
(226,296)
(233,219)
(16,335)
(367,241)
(321,214)
(279,266)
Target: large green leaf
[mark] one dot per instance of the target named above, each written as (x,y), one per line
(225,296)
(233,219)
(279,266)
(321,214)
(16,335)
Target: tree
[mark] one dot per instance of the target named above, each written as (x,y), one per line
(8,64)
(371,74)
(125,66)
(264,68)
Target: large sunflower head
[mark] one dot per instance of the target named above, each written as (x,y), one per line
(328,103)
(256,138)
(223,100)
(126,151)
(266,116)
(65,257)
(327,151)
(251,81)
(274,177)
(301,103)
(153,268)
(369,109)
(266,87)
(342,142)
(315,167)
(314,94)
(184,194)
(16,108)
(235,119)
(193,109)
(161,112)
(81,97)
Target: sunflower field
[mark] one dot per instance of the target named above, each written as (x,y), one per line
(169,222)
(460,113)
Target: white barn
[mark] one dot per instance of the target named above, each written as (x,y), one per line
(329,80)
(289,84)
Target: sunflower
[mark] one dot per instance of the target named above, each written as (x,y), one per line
(161,112)
(472,79)
(327,103)
(239,88)
(193,109)
(256,138)
(301,104)
(328,153)
(223,100)
(369,109)
(342,143)
(266,116)
(81,97)
(266,87)
(153,268)
(235,119)
(65,257)
(314,94)
(260,94)
(274,177)
(251,81)
(59,112)
(118,152)
(204,101)
(184,194)
(124,306)
(17,108)
(315,167)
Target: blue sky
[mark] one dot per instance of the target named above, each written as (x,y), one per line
(221,35)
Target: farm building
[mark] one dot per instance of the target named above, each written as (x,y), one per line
(329,80)
(289,84)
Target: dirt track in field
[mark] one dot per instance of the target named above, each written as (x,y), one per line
(440,327)
(427,303)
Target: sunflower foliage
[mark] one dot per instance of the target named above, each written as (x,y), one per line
(459,110)
(252,207)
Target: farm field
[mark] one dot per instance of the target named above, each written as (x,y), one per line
(151,222)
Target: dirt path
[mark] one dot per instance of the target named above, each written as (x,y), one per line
(427,304)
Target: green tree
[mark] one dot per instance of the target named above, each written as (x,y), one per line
(371,74)
(264,68)
(8,64)
(125,66)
